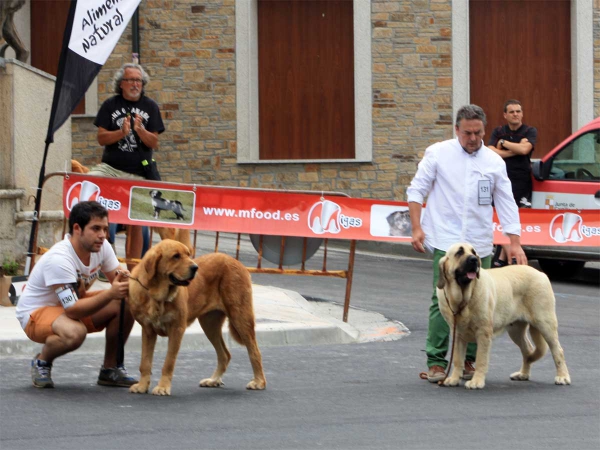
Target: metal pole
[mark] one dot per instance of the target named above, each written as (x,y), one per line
(349,280)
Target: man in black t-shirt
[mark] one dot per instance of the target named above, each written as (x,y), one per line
(129,123)
(515,142)
(128,127)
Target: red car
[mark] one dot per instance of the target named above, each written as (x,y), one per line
(568,178)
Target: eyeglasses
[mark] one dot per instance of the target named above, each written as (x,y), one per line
(133,80)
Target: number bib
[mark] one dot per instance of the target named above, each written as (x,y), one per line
(66,295)
(484,192)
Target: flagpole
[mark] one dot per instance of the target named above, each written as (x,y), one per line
(49,138)
(36,213)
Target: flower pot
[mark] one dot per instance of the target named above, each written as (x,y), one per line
(5,285)
(11,289)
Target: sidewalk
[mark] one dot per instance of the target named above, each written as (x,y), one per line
(282,318)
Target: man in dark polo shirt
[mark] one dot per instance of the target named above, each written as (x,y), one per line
(515,142)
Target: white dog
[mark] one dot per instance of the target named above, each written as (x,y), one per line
(485,303)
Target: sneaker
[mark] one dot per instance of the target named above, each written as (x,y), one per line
(116,376)
(435,374)
(524,203)
(40,373)
(499,263)
(468,371)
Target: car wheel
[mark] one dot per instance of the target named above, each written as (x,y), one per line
(561,270)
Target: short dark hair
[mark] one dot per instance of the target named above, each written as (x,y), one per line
(471,112)
(511,101)
(83,212)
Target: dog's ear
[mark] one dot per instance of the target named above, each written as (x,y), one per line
(152,259)
(442,273)
(390,218)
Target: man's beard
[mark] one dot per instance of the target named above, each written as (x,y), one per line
(91,247)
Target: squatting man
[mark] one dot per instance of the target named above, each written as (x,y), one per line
(57,308)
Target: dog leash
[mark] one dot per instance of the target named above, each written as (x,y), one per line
(423,375)
(454,314)
(133,278)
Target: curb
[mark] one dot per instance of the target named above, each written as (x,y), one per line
(283,317)
(267,335)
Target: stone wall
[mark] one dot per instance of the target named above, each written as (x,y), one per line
(188,48)
(25,96)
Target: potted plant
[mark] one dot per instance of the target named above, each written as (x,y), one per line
(8,270)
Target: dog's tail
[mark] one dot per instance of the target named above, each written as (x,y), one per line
(234,334)
(541,346)
(180,205)
(241,326)
(77,167)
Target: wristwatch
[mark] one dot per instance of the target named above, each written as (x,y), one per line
(502,143)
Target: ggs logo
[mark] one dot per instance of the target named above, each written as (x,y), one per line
(326,217)
(86,190)
(569,227)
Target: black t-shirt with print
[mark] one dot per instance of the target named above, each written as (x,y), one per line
(128,153)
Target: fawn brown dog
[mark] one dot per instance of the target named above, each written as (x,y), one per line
(168,291)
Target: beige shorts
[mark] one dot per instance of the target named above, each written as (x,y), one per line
(39,327)
(106,170)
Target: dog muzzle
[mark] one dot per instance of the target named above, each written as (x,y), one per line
(177,282)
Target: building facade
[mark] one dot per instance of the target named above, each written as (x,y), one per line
(340,96)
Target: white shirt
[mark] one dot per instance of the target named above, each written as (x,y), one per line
(61,265)
(451,176)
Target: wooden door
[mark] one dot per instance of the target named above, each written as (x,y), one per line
(522,50)
(48,21)
(306,79)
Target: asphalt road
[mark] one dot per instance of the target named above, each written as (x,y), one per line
(332,397)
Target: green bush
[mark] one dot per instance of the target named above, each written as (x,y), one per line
(10,268)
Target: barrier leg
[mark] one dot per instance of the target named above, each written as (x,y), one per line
(349,279)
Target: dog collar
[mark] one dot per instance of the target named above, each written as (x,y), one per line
(460,307)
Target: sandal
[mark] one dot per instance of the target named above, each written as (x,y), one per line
(499,263)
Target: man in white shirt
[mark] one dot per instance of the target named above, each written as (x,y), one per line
(55,308)
(460,178)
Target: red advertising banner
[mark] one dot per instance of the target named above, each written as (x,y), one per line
(281,213)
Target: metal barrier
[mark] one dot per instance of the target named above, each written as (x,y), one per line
(324,272)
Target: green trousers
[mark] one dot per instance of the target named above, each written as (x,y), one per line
(438,335)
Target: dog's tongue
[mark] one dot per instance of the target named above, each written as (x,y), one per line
(471,275)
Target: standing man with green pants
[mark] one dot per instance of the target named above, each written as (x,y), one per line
(460,178)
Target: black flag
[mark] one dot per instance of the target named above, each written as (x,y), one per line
(93,29)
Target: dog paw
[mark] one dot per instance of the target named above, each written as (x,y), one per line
(452,381)
(519,376)
(256,385)
(562,380)
(211,382)
(161,390)
(138,388)
(475,384)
